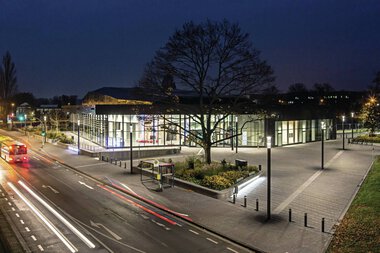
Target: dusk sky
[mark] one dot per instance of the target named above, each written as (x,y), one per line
(72,47)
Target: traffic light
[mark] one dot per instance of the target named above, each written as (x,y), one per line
(20,117)
(43,133)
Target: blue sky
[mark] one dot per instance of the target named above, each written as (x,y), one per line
(72,47)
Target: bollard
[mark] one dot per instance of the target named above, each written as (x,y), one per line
(245,201)
(120,164)
(323,225)
(259,167)
(234,198)
(290,215)
(257,204)
(125,165)
(305,220)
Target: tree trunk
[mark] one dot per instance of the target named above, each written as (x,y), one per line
(207,149)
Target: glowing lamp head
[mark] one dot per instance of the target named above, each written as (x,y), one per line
(323,125)
(269,141)
(343,118)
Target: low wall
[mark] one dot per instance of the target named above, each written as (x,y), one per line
(137,154)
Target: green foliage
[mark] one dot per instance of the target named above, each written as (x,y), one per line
(217,176)
(367,139)
(216,182)
(359,230)
(59,136)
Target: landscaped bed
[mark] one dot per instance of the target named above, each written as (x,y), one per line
(359,230)
(216,176)
(367,139)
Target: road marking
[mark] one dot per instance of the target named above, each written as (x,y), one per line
(35,157)
(105,228)
(3,194)
(194,232)
(18,216)
(6,199)
(60,217)
(27,229)
(13,209)
(51,188)
(9,203)
(300,189)
(34,238)
(82,183)
(22,222)
(88,165)
(40,247)
(232,250)
(211,240)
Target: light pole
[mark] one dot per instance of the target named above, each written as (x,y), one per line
(78,137)
(25,122)
(44,137)
(237,139)
(343,119)
(352,125)
(269,146)
(130,146)
(323,127)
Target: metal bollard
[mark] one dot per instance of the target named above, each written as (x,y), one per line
(305,220)
(259,167)
(323,225)
(290,215)
(234,198)
(257,204)
(245,201)
(120,164)
(125,165)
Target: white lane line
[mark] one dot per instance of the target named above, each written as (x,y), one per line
(48,223)
(59,216)
(82,183)
(40,247)
(194,232)
(3,194)
(300,189)
(211,240)
(6,199)
(9,203)
(34,238)
(13,209)
(18,216)
(22,222)
(27,229)
(88,165)
(232,250)
(35,157)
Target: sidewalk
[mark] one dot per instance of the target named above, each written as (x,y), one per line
(297,183)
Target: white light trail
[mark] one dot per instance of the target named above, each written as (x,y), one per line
(44,219)
(59,216)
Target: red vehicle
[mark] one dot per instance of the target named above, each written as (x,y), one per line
(14,151)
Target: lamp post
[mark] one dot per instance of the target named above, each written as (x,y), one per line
(323,127)
(269,146)
(25,122)
(352,125)
(237,139)
(130,146)
(44,137)
(343,119)
(78,136)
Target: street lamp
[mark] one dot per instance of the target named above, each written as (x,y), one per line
(25,122)
(352,125)
(130,146)
(237,139)
(78,137)
(269,146)
(44,137)
(343,119)
(323,127)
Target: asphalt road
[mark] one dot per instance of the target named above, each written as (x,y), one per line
(110,220)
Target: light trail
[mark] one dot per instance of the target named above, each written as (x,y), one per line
(48,223)
(59,216)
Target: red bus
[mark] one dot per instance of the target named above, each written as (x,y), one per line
(14,151)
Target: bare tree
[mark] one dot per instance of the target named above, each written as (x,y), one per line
(216,62)
(8,81)
(297,88)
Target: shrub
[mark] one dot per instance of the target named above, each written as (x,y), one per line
(216,182)
(366,138)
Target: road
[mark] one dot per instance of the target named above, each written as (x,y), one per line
(95,218)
